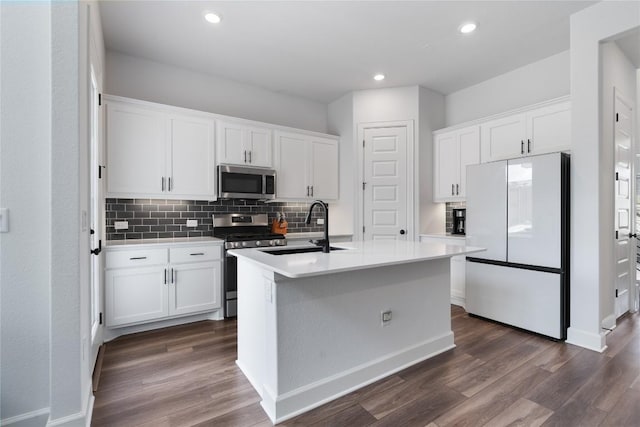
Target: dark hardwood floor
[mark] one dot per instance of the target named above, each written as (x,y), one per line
(496,376)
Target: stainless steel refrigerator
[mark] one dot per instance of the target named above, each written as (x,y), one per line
(519,211)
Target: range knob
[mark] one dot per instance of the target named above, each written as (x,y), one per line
(271,243)
(237,244)
(258,242)
(244,244)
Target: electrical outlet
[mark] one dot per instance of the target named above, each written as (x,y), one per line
(320,221)
(121,225)
(192,223)
(386,317)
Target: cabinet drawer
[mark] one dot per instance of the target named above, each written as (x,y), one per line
(195,253)
(136,258)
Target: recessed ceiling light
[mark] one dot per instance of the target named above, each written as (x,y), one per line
(378,77)
(468,27)
(212,17)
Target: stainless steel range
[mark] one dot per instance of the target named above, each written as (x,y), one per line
(240,231)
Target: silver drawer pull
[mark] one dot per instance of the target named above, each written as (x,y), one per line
(197,253)
(137,257)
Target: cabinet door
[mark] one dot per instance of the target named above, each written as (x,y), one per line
(136,151)
(469,154)
(230,143)
(193,169)
(195,287)
(324,169)
(503,138)
(446,167)
(549,129)
(260,147)
(292,166)
(135,295)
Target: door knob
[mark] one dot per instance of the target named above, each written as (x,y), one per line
(402,231)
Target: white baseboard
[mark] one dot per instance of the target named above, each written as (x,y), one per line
(589,340)
(458,300)
(79,419)
(290,404)
(26,419)
(113,333)
(609,322)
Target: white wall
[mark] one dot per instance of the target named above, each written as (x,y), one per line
(25,253)
(591,205)
(413,103)
(619,73)
(431,216)
(535,82)
(44,372)
(152,81)
(340,118)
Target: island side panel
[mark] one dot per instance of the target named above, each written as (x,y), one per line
(330,337)
(252,326)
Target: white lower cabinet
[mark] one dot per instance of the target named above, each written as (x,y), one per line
(458,287)
(152,283)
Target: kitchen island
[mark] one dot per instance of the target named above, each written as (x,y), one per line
(310,325)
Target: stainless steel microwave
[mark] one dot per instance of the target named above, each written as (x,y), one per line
(241,182)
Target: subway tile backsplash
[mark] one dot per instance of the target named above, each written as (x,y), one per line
(449,207)
(151,218)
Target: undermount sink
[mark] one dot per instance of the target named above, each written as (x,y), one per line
(291,251)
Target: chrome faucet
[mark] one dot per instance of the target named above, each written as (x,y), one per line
(325,242)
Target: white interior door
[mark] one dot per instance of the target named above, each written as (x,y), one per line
(623,219)
(96,206)
(385,183)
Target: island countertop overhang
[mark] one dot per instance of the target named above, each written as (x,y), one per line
(355,256)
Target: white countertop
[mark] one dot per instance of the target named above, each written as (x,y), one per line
(163,241)
(314,235)
(357,256)
(445,236)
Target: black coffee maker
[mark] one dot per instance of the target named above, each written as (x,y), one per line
(459,219)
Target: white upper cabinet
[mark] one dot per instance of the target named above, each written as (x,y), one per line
(307,166)
(537,131)
(193,169)
(549,129)
(453,152)
(158,153)
(136,151)
(503,138)
(239,144)
(324,168)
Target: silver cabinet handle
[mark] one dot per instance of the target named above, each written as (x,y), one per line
(312,191)
(245,156)
(165,276)
(452,189)
(250,157)
(521,146)
(169,186)
(197,253)
(528,146)
(173,276)
(163,183)
(137,257)
(308,191)
(457,189)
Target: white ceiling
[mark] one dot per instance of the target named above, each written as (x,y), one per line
(322,49)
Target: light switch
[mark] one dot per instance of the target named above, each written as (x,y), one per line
(4,220)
